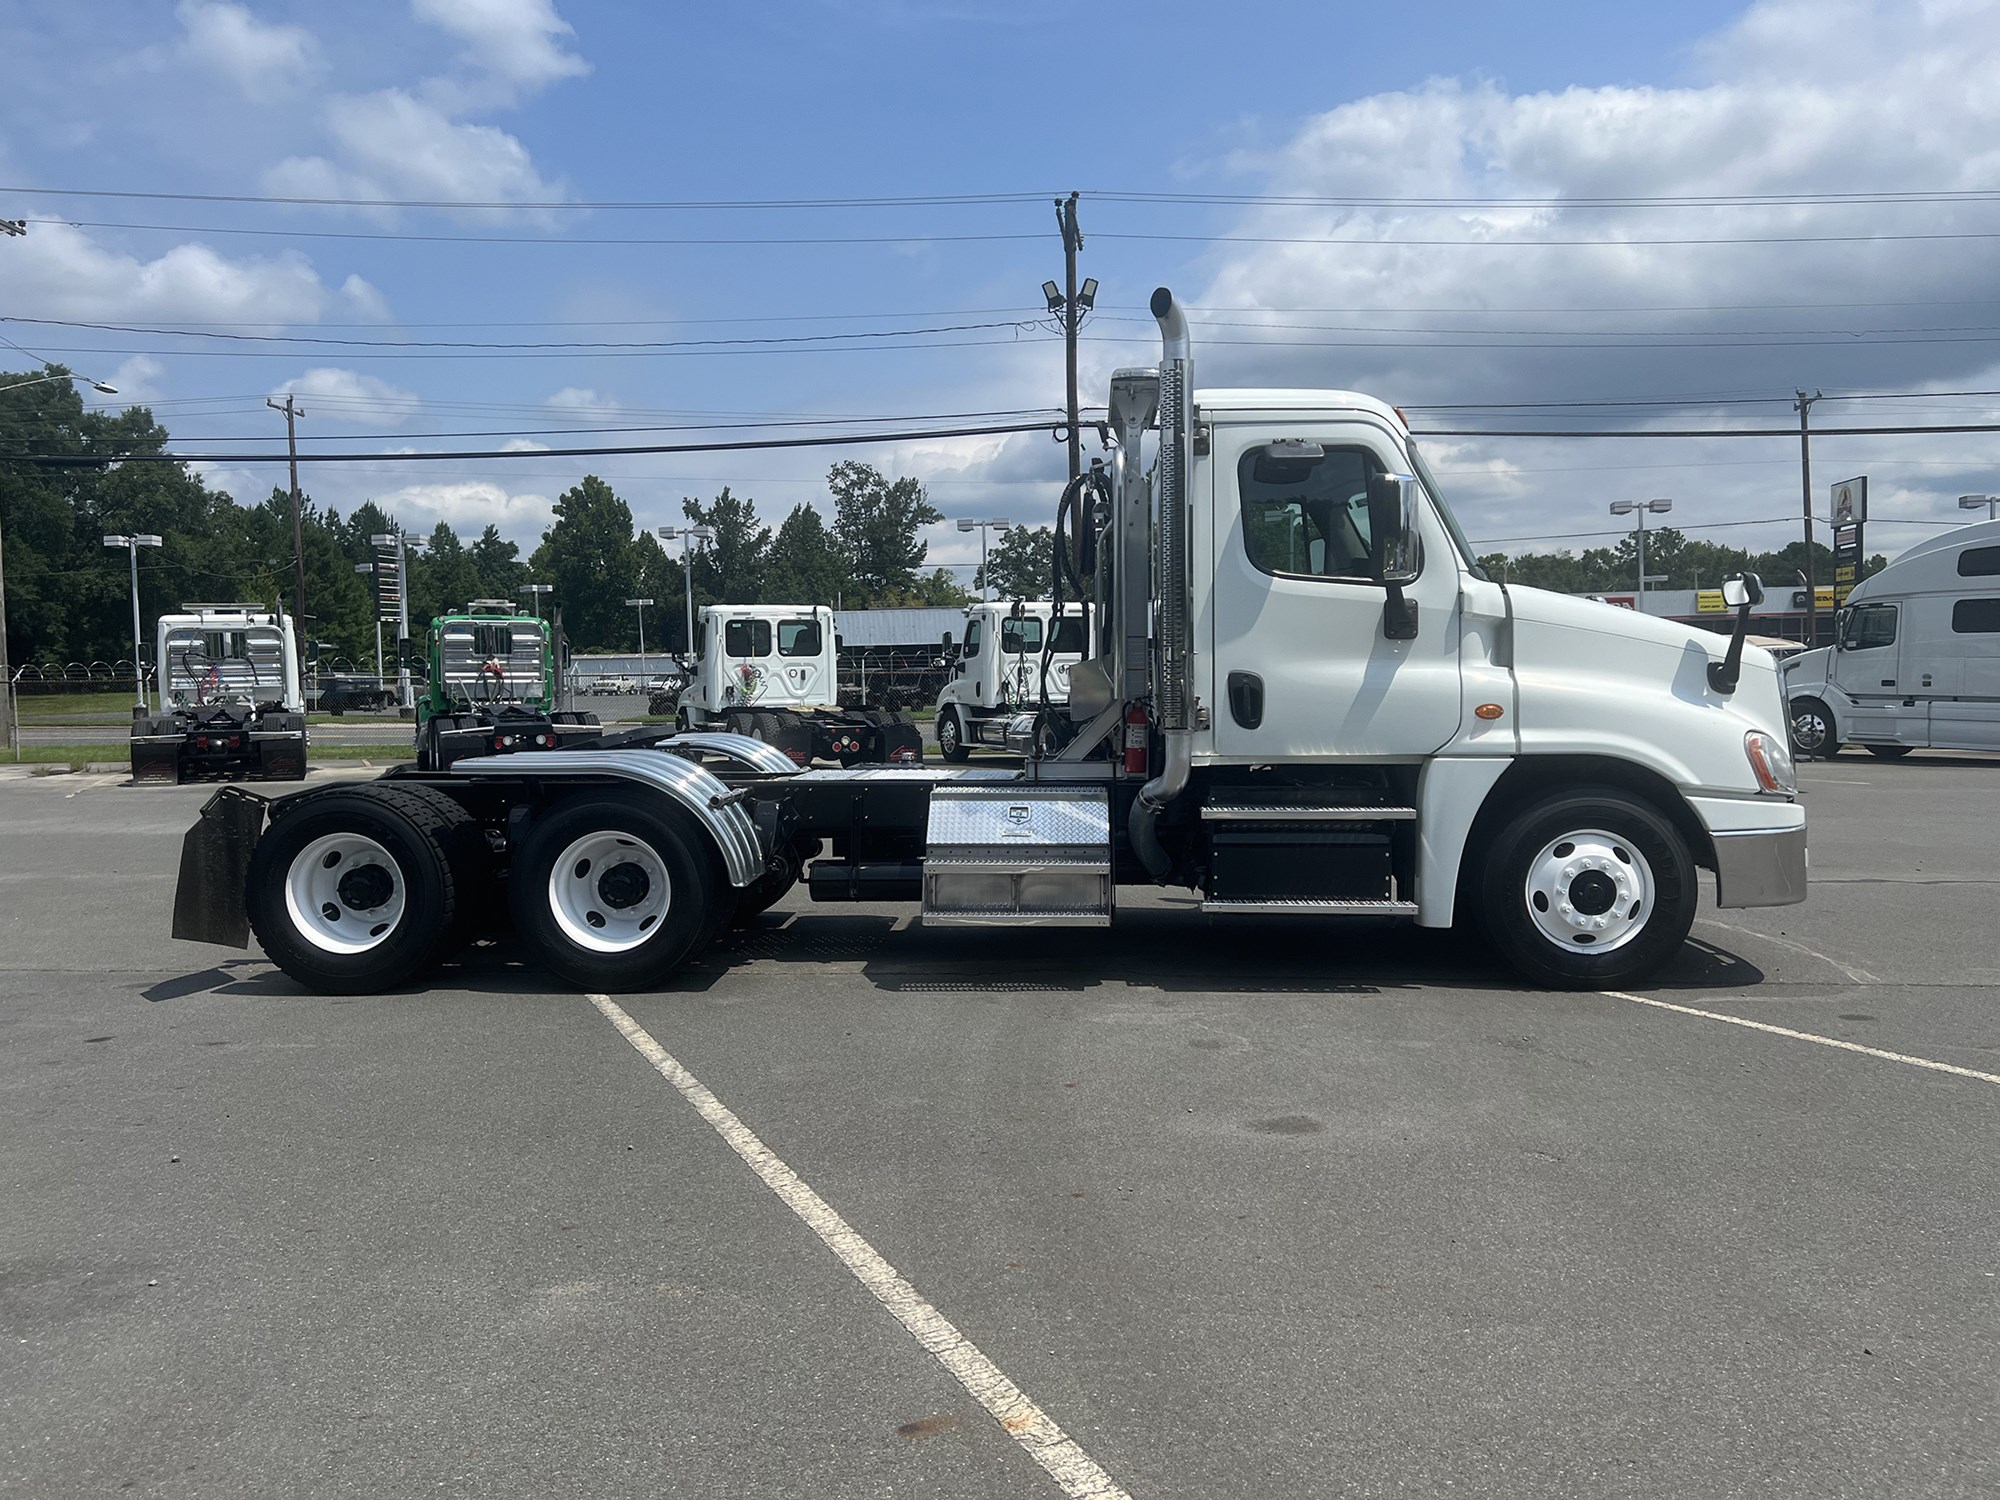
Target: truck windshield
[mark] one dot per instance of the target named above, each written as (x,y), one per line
(1451,525)
(798,638)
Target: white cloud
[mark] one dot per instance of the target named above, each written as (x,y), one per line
(58,271)
(137,380)
(518,41)
(266,62)
(364,301)
(348,396)
(468,507)
(582,402)
(393,145)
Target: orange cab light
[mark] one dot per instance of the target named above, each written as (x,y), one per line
(1488,711)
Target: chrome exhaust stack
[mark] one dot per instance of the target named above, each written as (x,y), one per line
(1172,706)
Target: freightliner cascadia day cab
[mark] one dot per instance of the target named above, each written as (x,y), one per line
(1012,655)
(772,672)
(231,703)
(1916,664)
(1301,695)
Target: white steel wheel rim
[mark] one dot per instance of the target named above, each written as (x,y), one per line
(1809,729)
(608,892)
(948,732)
(345,893)
(1590,891)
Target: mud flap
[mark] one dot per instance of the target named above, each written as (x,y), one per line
(156,761)
(215,866)
(902,743)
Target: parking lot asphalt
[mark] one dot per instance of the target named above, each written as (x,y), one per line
(1249,1208)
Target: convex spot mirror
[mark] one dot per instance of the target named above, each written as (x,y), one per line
(1395,501)
(1739,589)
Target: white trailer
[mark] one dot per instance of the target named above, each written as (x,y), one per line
(1302,696)
(1010,656)
(230,697)
(1916,659)
(772,671)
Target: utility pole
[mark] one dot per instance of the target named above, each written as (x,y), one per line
(1804,408)
(292,414)
(1072,319)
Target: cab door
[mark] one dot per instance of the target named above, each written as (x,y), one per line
(1868,669)
(1304,666)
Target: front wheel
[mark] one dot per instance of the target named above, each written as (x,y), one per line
(615,893)
(1588,889)
(950,737)
(1812,730)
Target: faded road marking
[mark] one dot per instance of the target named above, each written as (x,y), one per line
(1026,1423)
(1807,1036)
(1857,976)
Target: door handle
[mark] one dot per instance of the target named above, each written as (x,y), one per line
(1246,699)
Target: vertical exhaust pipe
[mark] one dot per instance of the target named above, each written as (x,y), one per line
(1171,699)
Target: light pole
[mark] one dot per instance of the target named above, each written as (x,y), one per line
(1070,304)
(640,605)
(687,534)
(132,544)
(8,737)
(982,527)
(1639,508)
(1973,502)
(534,591)
(402,546)
(381,680)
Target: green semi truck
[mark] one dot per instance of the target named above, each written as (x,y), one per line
(491,688)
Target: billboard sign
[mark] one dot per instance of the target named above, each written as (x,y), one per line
(1850,514)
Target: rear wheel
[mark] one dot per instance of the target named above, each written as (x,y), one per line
(950,736)
(1889,752)
(355,891)
(615,892)
(1587,889)
(765,727)
(1812,729)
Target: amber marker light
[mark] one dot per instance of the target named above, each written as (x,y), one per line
(1488,711)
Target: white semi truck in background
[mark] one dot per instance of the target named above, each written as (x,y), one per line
(1301,695)
(1011,656)
(1915,663)
(231,703)
(772,671)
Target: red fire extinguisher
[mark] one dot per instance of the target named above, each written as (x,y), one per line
(1136,746)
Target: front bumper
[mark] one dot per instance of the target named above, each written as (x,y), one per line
(1765,868)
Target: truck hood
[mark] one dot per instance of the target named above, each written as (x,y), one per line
(1557,629)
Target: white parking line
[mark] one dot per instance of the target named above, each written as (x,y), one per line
(1022,1420)
(1858,976)
(1807,1036)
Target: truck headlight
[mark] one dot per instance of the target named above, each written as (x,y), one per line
(1770,763)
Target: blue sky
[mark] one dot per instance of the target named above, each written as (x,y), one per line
(537,102)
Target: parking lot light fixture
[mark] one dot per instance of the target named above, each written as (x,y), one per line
(132,543)
(640,605)
(1639,508)
(1991,503)
(966,523)
(688,534)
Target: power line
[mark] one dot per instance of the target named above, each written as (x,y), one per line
(1701,432)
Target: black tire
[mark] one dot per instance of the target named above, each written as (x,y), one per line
(1563,954)
(417,836)
(1888,752)
(1812,730)
(767,889)
(951,736)
(901,716)
(765,727)
(694,885)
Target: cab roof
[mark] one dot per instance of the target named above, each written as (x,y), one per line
(1281,399)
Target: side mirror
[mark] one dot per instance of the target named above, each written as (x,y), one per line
(1741,592)
(1394,503)
(1740,589)
(947,643)
(408,653)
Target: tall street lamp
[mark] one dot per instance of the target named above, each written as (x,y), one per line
(8,736)
(982,527)
(1973,502)
(402,545)
(687,534)
(132,544)
(640,605)
(534,591)
(1639,508)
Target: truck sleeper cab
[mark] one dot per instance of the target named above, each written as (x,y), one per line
(997,669)
(1298,695)
(772,673)
(1916,664)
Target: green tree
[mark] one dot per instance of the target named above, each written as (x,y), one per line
(877,521)
(443,577)
(807,566)
(1018,563)
(730,569)
(587,554)
(499,566)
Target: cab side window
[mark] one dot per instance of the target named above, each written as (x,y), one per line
(972,634)
(1870,625)
(1306,515)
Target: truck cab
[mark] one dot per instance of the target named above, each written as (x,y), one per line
(231,700)
(491,688)
(772,672)
(997,667)
(1915,662)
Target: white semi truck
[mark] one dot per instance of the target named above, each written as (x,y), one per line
(1012,655)
(772,671)
(1301,695)
(230,698)
(1916,659)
